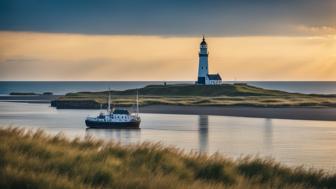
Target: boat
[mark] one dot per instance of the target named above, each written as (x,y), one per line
(116,118)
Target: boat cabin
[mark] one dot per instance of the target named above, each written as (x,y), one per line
(121,111)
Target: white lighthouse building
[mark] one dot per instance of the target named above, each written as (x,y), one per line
(204,78)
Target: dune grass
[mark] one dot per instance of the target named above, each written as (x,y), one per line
(35,160)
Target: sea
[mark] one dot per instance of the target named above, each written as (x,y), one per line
(63,87)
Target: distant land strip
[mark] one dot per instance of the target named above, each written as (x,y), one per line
(29,98)
(223,100)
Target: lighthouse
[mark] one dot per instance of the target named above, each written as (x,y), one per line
(203,62)
(204,78)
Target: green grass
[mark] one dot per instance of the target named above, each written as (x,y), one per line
(35,160)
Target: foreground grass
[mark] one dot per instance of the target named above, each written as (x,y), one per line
(196,95)
(34,160)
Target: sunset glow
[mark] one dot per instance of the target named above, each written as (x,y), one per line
(113,57)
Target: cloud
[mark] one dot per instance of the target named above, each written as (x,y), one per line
(166,18)
(318,30)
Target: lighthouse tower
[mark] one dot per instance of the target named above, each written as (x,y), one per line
(204,78)
(203,63)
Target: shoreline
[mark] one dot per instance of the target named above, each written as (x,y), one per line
(293,113)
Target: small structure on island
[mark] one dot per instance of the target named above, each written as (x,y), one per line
(204,78)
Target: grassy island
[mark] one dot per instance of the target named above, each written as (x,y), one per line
(196,95)
(35,160)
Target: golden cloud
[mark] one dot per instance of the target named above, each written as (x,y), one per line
(319,30)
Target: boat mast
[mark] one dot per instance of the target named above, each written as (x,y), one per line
(137,105)
(109,102)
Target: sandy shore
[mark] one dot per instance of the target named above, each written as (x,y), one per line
(302,113)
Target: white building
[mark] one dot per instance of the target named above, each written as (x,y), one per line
(204,78)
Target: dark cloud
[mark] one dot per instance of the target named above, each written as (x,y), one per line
(166,17)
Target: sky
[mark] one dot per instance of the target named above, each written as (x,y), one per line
(159,40)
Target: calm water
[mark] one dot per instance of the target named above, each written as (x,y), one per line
(7,87)
(293,142)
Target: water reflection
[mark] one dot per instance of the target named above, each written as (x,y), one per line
(124,136)
(268,136)
(203,133)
